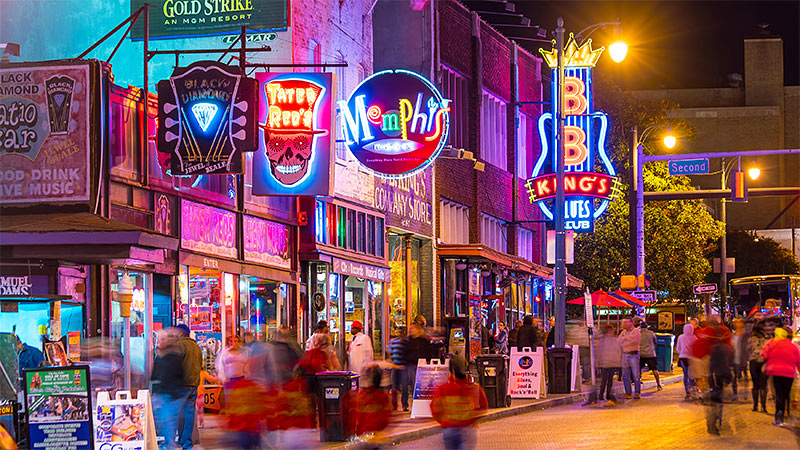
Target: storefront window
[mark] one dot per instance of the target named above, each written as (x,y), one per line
(375,322)
(262,300)
(138,326)
(404,264)
(334,319)
(200,309)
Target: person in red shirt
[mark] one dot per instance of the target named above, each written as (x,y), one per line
(457,405)
(782,359)
(370,408)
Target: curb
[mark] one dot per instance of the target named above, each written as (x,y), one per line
(501,413)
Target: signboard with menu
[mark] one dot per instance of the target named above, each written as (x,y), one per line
(59,408)
(45,129)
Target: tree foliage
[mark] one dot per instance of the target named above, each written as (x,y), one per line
(756,255)
(678,234)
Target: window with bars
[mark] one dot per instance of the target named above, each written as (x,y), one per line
(454,223)
(525,244)
(454,88)
(493,131)
(492,233)
(524,147)
(315,54)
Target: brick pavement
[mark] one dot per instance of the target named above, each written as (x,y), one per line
(659,420)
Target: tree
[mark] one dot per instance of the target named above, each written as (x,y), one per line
(678,234)
(756,255)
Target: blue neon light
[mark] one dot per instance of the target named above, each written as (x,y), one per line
(204,113)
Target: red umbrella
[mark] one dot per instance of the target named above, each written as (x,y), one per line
(624,296)
(603,299)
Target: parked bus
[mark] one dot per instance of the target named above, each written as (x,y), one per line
(769,294)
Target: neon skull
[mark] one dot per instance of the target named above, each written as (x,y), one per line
(288,155)
(289,129)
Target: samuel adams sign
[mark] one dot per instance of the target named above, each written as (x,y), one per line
(206,116)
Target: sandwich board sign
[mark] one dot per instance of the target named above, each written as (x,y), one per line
(525,374)
(429,377)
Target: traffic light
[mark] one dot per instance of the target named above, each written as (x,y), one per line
(632,282)
(739,187)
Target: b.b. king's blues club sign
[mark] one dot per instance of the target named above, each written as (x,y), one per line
(590,181)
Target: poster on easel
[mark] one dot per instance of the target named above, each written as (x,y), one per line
(125,422)
(58,408)
(429,377)
(576,369)
(525,374)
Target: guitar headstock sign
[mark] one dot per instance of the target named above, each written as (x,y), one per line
(207,118)
(590,181)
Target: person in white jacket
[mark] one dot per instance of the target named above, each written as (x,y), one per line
(684,348)
(360,352)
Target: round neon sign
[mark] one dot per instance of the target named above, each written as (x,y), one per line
(395,123)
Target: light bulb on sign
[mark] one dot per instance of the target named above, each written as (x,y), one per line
(618,50)
(670,141)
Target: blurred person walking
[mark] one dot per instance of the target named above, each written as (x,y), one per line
(716,338)
(457,405)
(399,351)
(782,361)
(232,363)
(360,351)
(512,335)
(608,356)
(284,354)
(419,347)
(501,340)
(526,336)
(629,340)
(369,409)
(321,328)
(166,383)
(758,339)
(683,346)
(191,360)
(740,356)
(647,352)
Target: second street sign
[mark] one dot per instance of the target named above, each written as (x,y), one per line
(688,167)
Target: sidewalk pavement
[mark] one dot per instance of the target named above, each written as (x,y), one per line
(404,429)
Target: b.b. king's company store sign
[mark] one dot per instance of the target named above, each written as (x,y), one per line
(44,133)
(395,123)
(406,202)
(208,230)
(590,181)
(206,116)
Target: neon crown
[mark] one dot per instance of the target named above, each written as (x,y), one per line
(575,56)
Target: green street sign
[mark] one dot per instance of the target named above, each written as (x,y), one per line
(689,167)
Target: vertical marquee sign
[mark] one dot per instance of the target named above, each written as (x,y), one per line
(295,154)
(206,117)
(589,178)
(395,123)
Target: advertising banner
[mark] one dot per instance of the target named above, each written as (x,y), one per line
(525,374)
(267,242)
(125,423)
(183,18)
(295,153)
(44,133)
(58,407)
(206,114)
(207,229)
(395,123)
(429,378)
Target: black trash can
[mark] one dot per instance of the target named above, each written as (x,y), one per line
(332,387)
(559,370)
(493,378)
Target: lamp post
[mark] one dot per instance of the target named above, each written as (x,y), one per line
(559,208)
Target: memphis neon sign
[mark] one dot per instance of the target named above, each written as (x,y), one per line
(395,123)
(590,180)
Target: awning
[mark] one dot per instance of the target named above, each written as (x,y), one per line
(241,268)
(482,253)
(83,238)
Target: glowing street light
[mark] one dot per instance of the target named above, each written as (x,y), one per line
(617,51)
(670,141)
(754,173)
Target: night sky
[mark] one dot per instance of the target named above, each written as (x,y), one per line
(676,44)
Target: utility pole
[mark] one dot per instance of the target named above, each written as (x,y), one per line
(723,249)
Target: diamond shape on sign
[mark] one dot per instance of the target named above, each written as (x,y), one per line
(204,113)
(59,98)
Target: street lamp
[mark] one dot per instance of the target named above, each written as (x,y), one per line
(559,208)
(618,50)
(754,173)
(636,197)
